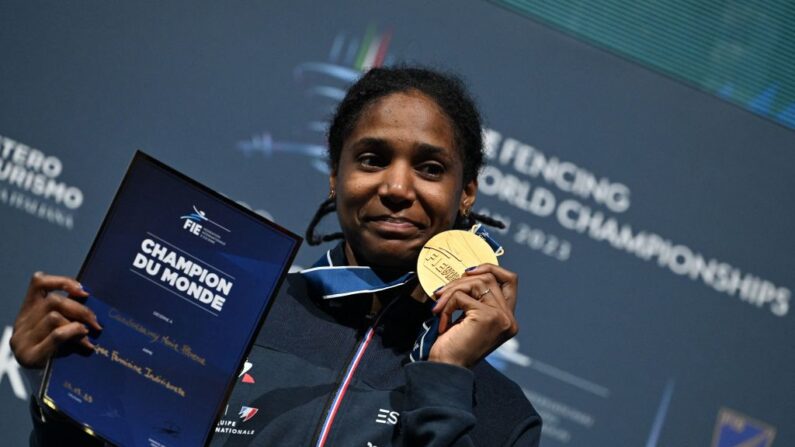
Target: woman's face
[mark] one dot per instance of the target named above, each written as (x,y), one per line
(399,180)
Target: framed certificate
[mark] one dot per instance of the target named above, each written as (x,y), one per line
(181,279)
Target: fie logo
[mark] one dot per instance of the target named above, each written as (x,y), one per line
(192,221)
(197,224)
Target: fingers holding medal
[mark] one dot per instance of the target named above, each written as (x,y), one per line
(485,293)
(507,280)
(482,286)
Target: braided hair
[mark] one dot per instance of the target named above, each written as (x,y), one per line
(450,95)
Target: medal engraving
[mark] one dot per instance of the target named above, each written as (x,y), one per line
(446,256)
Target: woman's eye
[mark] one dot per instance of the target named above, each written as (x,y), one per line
(431,169)
(371,161)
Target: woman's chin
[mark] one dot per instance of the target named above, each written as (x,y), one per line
(405,260)
(394,255)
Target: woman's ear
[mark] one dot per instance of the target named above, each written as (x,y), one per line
(468,196)
(332,183)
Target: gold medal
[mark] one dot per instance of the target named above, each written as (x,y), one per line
(446,256)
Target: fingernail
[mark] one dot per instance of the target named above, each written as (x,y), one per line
(469,269)
(437,290)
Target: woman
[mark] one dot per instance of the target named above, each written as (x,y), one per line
(328,368)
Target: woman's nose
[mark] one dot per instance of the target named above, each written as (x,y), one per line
(397,186)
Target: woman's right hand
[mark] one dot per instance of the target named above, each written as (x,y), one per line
(47,320)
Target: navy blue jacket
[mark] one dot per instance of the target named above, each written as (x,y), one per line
(329,373)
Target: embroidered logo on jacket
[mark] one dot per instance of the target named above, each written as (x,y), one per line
(386,416)
(246,413)
(246,377)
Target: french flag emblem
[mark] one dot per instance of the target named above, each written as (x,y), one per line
(246,413)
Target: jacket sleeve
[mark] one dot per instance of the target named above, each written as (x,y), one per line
(528,433)
(438,411)
(438,407)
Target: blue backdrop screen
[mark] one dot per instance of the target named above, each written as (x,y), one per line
(649,222)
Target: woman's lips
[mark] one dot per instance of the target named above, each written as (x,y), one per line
(391,225)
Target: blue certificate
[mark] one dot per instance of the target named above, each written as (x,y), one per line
(181,279)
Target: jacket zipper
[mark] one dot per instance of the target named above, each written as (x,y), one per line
(344,380)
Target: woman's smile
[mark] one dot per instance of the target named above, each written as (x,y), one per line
(393,226)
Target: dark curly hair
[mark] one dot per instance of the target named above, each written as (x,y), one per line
(446,90)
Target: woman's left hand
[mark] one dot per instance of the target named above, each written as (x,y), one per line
(487,297)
